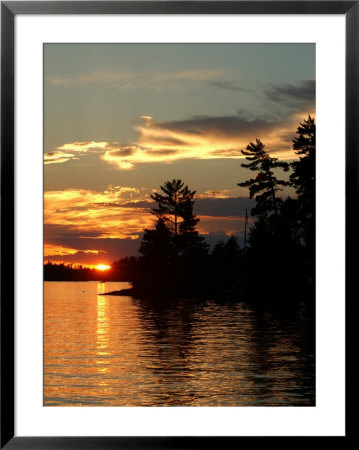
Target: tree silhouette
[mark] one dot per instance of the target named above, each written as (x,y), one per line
(303,177)
(172,253)
(264,187)
(174,205)
(157,244)
(281,245)
(303,180)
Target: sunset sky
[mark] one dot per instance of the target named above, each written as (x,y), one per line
(120,119)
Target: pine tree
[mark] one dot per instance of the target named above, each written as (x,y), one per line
(264,187)
(172,206)
(303,180)
(172,252)
(303,176)
(157,244)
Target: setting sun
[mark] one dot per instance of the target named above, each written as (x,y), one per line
(102,267)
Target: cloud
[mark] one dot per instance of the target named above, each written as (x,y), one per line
(199,137)
(102,76)
(293,95)
(219,207)
(88,227)
(97,214)
(203,136)
(72,150)
(229,85)
(194,74)
(121,156)
(110,249)
(57,157)
(212,137)
(216,193)
(130,80)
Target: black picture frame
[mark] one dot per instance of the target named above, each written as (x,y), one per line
(9,10)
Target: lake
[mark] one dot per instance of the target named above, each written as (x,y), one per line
(120,351)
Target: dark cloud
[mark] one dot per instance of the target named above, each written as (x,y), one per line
(221,207)
(230,85)
(110,248)
(229,125)
(79,257)
(54,232)
(293,95)
(224,125)
(169,141)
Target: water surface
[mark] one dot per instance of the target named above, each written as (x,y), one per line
(119,351)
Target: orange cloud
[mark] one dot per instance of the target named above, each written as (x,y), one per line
(73,150)
(59,250)
(212,137)
(106,214)
(218,193)
(197,138)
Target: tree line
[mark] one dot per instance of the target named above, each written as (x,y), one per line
(280,249)
(120,271)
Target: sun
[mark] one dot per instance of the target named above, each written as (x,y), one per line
(102,267)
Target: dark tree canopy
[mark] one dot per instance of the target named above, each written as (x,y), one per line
(303,180)
(303,176)
(157,243)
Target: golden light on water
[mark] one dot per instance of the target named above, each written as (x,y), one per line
(119,351)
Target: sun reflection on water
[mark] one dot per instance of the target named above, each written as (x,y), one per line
(103,326)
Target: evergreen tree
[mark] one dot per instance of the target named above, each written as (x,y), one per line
(264,187)
(177,201)
(172,252)
(189,243)
(275,250)
(157,244)
(175,210)
(303,177)
(303,180)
